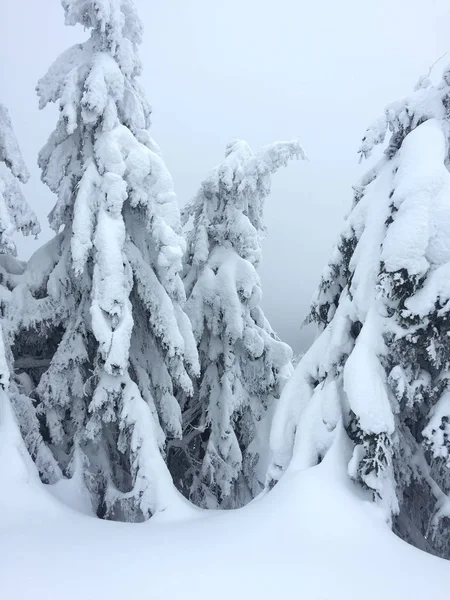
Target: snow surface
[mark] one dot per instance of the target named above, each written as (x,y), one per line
(311,537)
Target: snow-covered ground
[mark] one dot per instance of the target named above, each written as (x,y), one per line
(312,537)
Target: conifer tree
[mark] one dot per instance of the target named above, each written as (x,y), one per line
(380,366)
(15,216)
(243,363)
(101,312)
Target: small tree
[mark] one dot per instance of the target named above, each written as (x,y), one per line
(380,365)
(102,306)
(243,363)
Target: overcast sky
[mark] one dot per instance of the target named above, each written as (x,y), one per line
(261,70)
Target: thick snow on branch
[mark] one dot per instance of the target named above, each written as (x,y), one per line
(426,102)
(118,343)
(380,364)
(9,149)
(242,361)
(15,213)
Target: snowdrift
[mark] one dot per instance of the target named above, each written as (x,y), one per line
(312,537)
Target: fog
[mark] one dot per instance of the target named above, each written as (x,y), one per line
(257,70)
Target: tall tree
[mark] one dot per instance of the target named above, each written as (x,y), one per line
(102,305)
(15,215)
(242,361)
(381,363)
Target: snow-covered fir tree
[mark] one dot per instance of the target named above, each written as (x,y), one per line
(243,363)
(380,366)
(101,336)
(15,216)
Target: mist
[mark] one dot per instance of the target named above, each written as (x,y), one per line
(319,72)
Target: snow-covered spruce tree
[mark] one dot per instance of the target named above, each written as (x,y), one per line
(381,364)
(243,363)
(15,216)
(101,310)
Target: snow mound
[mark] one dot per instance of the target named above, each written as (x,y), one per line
(312,536)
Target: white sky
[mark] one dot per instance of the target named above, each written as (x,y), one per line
(253,69)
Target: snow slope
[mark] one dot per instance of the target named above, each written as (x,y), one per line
(311,537)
